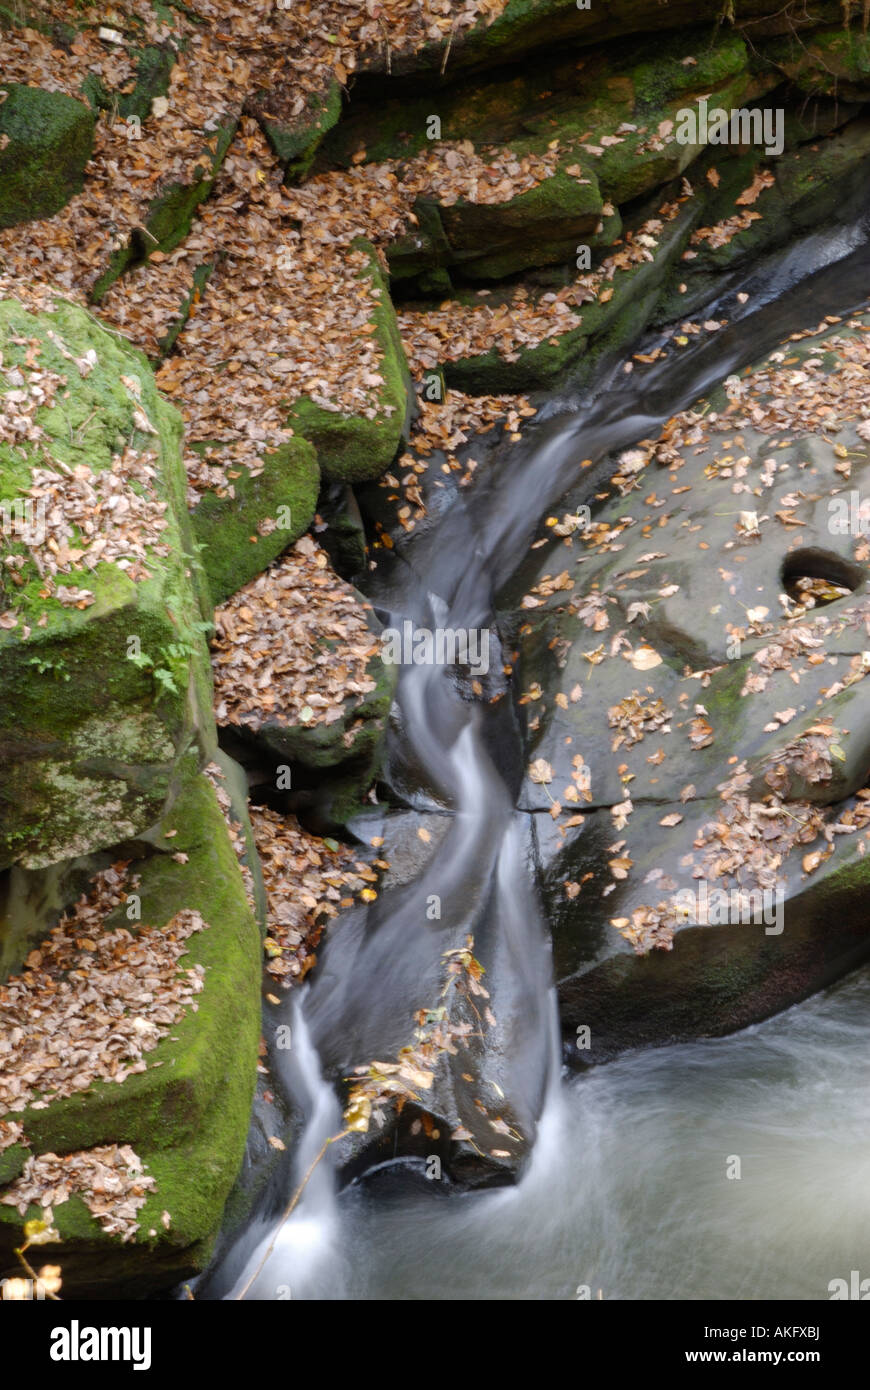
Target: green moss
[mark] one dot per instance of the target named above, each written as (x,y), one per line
(90,737)
(351,448)
(834,62)
(153,73)
(665,77)
(50,140)
(233,548)
(296,140)
(164,1106)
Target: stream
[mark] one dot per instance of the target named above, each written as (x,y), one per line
(625,1194)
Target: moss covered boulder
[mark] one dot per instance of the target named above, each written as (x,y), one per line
(46,140)
(353,447)
(253,514)
(173,1089)
(103,657)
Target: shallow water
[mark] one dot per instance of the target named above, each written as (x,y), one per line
(627,1191)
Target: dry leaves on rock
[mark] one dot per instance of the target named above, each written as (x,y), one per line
(110,1179)
(292,646)
(90,1004)
(308,880)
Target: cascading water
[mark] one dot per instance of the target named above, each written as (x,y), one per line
(597,1208)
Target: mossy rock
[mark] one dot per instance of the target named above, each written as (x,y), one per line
(817,182)
(296,139)
(153,73)
(351,448)
(50,140)
(834,62)
(102,701)
(528,25)
(598,326)
(187,1114)
(32,900)
(333,765)
(535,228)
(240,534)
(171,212)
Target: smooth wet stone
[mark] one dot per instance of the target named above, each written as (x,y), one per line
(692,732)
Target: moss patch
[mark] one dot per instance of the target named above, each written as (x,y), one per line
(50,139)
(241,534)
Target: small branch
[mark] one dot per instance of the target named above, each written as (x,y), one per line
(32,1272)
(288,1210)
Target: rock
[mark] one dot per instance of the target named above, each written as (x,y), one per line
(153,73)
(814,184)
(525,26)
(317,637)
(243,525)
(46,140)
(296,136)
(831,61)
(340,529)
(697,724)
(102,653)
(351,448)
(172,209)
(185,1114)
(626,296)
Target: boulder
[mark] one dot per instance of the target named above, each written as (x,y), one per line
(350,447)
(173,1091)
(46,139)
(102,651)
(692,674)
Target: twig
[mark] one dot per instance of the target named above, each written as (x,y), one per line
(288,1210)
(447,52)
(33,1275)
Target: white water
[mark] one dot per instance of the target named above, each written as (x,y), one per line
(627,1191)
(627,1194)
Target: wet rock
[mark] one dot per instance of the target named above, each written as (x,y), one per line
(692,676)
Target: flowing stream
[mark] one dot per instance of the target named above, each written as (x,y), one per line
(625,1194)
